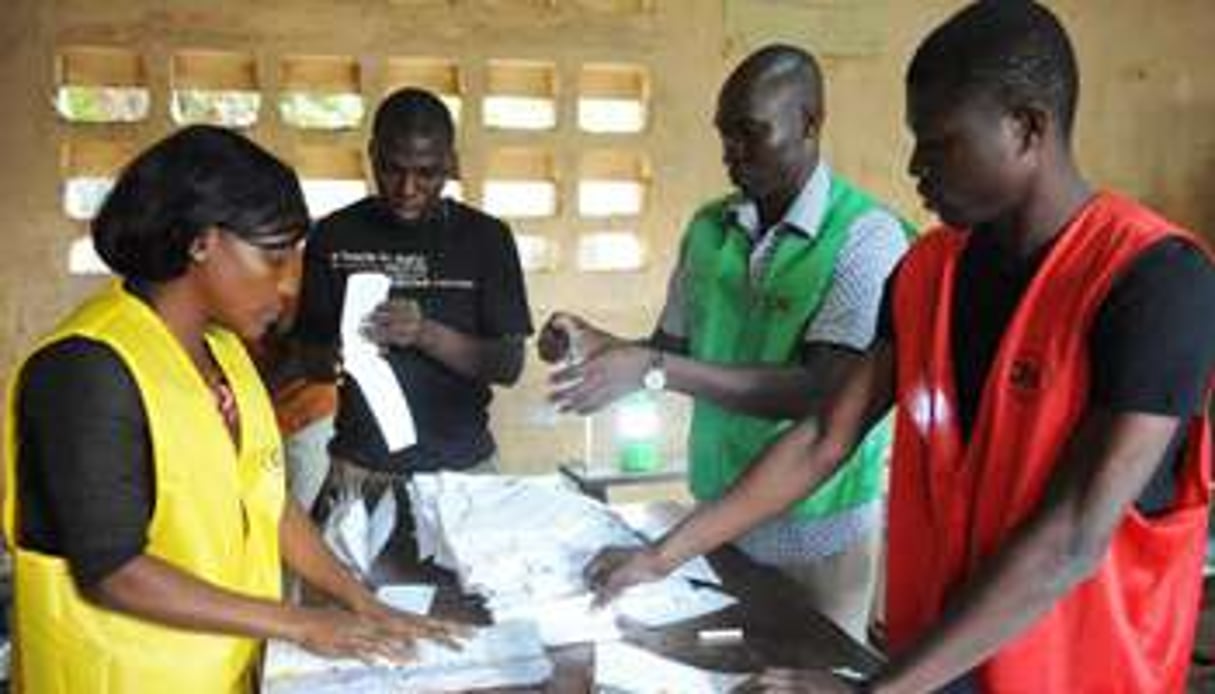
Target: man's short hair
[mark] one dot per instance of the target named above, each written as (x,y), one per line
(1014,50)
(411,111)
(786,64)
(200,177)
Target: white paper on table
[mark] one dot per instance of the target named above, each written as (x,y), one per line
(669,601)
(356,537)
(362,361)
(523,544)
(380,524)
(654,526)
(622,667)
(345,532)
(526,673)
(698,569)
(499,530)
(503,655)
(567,621)
(425,514)
(415,597)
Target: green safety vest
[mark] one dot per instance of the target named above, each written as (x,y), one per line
(730,321)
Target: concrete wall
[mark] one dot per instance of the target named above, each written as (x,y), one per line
(1145,125)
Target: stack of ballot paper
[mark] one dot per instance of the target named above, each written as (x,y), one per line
(504,655)
(522,544)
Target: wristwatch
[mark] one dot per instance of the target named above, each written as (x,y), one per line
(655,377)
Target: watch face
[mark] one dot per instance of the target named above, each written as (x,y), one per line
(655,379)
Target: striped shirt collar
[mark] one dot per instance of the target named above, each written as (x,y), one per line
(804,216)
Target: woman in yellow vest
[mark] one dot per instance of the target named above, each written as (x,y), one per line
(145,500)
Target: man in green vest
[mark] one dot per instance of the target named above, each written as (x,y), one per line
(775,295)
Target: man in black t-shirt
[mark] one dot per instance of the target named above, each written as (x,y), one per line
(456,264)
(1135,367)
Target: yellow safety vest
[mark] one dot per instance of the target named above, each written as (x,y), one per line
(216,517)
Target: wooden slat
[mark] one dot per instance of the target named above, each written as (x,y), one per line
(218,70)
(319,161)
(614,164)
(95,66)
(437,75)
(614,82)
(520,163)
(95,157)
(522,78)
(327,74)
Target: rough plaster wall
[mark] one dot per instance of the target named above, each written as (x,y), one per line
(1144,127)
(1146,124)
(28,213)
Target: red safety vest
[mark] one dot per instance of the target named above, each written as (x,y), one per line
(1130,627)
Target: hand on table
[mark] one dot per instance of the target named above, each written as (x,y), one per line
(616,568)
(373,633)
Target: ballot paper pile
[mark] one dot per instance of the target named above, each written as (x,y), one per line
(503,655)
(522,543)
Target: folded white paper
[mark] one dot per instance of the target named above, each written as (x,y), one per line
(415,598)
(362,361)
(566,621)
(522,543)
(668,602)
(356,537)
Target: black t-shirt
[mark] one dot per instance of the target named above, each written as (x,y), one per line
(462,267)
(1152,344)
(84,473)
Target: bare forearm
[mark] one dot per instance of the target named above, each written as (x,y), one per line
(1024,583)
(494,360)
(773,391)
(794,466)
(157,591)
(305,552)
(797,463)
(785,392)
(1106,465)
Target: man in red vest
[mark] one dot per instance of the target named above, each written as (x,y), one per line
(1049,350)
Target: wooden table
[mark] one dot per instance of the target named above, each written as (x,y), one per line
(779,627)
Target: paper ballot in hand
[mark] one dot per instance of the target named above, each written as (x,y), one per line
(363,362)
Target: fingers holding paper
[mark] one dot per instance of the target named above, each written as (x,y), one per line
(397,322)
(614,569)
